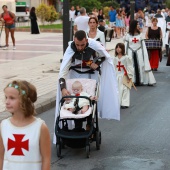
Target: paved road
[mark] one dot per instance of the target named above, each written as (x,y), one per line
(140,141)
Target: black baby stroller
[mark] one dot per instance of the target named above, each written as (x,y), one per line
(78,137)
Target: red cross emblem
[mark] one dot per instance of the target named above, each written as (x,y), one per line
(18,144)
(135,40)
(119,66)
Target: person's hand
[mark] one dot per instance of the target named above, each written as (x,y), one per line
(2,20)
(93,98)
(129,80)
(65,92)
(94,66)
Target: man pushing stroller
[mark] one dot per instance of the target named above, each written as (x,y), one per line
(82,57)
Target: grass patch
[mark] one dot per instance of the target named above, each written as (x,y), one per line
(52,26)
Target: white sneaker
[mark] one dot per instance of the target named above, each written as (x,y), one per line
(14,48)
(5,48)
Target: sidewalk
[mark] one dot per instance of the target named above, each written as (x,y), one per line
(37,60)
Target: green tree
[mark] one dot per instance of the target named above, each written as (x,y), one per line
(113,3)
(168,4)
(43,12)
(88,4)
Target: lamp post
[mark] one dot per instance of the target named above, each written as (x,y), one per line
(66,25)
(132,9)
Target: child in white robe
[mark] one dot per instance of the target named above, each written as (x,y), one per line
(124,67)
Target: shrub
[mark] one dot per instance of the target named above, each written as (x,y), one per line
(106,11)
(53,15)
(43,12)
(168,4)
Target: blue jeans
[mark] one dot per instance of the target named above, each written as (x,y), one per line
(11,26)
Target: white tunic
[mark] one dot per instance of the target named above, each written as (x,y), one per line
(22,151)
(167,33)
(123,65)
(135,47)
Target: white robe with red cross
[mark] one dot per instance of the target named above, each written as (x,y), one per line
(22,146)
(135,47)
(123,66)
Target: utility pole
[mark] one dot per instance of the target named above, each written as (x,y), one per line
(66,25)
(132,10)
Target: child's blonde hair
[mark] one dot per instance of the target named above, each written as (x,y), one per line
(28,95)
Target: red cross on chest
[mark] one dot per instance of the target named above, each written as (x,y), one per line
(135,40)
(18,144)
(119,66)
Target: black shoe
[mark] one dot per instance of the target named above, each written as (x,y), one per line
(124,107)
(155,69)
(150,84)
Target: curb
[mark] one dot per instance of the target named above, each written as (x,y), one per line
(41,30)
(43,103)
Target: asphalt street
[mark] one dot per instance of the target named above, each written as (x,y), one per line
(140,141)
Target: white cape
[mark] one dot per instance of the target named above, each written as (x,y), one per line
(108,102)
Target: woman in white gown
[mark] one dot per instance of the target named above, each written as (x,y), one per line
(135,47)
(94,32)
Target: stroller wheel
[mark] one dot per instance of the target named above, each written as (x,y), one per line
(58,150)
(98,140)
(88,151)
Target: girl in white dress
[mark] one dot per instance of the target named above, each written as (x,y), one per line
(124,67)
(24,139)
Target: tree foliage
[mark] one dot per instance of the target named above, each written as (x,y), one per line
(43,12)
(168,4)
(88,4)
(46,13)
(53,15)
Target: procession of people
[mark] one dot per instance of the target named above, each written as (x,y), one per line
(134,63)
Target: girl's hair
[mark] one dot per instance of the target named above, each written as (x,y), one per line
(122,46)
(133,28)
(154,19)
(28,95)
(128,14)
(94,19)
